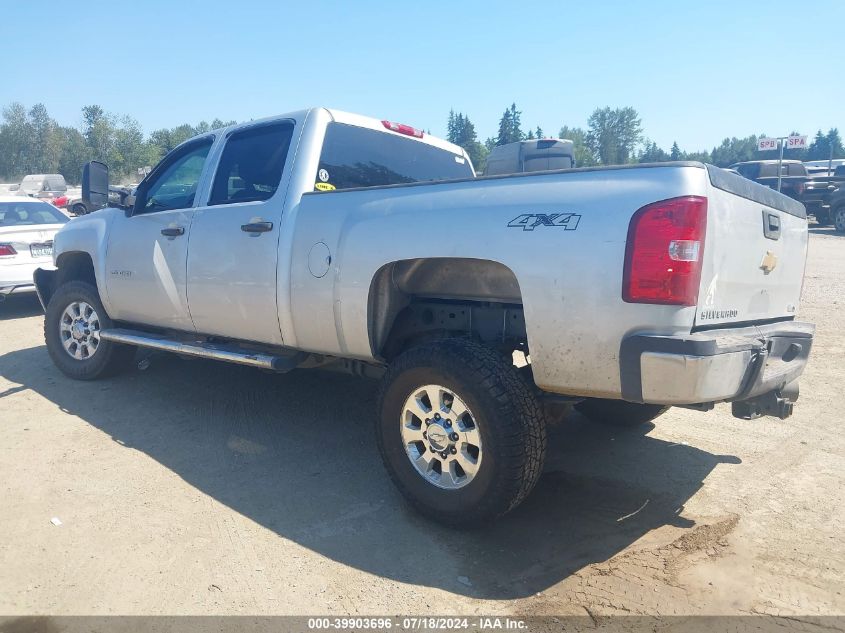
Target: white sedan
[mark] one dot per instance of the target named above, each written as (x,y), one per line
(27,227)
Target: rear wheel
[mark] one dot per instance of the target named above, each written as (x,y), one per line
(838,215)
(619,412)
(460,432)
(75,317)
(79,209)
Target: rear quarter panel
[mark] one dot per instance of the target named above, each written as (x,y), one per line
(570,280)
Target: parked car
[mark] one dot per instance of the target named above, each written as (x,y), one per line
(794,175)
(326,239)
(836,204)
(60,202)
(823,167)
(117,196)
(27,228)
(535,155)
(43,186)
(817,193)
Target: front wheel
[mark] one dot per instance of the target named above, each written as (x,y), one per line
(618,412)
(75,317)
(839,218)
(460,432)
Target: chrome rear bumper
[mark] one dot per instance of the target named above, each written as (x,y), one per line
(731,365)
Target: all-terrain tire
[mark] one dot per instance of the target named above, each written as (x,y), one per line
(108,359)
(506,414)
(619,412)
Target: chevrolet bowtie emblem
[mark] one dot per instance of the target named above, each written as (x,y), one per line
(770,260)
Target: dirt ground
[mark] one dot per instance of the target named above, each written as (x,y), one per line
(200,488)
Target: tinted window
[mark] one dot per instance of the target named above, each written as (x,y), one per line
(545,162)
(358,157)
(173,184)
(749,171)
(252,164)
(24,213)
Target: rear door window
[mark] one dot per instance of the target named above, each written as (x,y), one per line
(360,157)
(251,166)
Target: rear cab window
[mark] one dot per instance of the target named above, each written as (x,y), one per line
(355,156)
(749,170)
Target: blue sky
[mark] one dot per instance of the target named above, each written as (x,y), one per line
(696,72)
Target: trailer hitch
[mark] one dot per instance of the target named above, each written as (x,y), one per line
(778,403)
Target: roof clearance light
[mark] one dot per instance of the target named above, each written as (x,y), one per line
(401,128)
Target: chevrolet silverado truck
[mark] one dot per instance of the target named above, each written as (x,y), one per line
(321,239)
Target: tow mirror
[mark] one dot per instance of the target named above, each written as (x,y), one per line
(95,185)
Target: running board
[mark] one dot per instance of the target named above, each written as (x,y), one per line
(214,351)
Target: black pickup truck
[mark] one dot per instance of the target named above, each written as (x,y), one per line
(836,203)
(793,175)
(818,192)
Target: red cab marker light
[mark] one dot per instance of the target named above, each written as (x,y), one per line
(401,128)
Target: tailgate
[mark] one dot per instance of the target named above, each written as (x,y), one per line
(754,253)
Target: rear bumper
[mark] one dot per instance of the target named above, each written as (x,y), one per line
(715,366)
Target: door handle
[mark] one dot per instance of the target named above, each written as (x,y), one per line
(173,231)
(257,227)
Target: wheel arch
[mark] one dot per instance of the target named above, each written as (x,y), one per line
(479,286)
(70,266)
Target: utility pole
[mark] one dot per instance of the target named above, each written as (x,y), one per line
(794,141)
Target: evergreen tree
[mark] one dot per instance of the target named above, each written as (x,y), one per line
(510,129)
(461,131)
(820,148)
(652,154)
(675,152)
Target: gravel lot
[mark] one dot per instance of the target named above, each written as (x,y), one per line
(202,488)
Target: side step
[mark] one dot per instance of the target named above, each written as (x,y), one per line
(214,351)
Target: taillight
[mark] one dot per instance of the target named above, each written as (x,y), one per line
(7,250)
(800,188)
(401,128)
(664,252)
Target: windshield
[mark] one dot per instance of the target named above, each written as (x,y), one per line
(26,213)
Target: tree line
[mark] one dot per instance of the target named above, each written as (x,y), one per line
(614,136)
(31,142)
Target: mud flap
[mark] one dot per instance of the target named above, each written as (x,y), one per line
(44,285)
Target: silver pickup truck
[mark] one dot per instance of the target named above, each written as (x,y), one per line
(484,305)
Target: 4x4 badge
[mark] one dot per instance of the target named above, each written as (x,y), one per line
(530,221)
